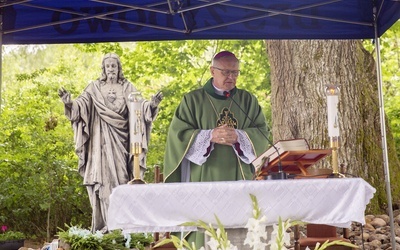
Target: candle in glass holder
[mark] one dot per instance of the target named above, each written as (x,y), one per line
(332,100)
(135,132)
(135,100)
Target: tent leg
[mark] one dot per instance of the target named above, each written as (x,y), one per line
(384,142)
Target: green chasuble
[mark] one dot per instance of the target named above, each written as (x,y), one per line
(202,109)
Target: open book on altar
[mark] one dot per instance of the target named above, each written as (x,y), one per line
(294,155)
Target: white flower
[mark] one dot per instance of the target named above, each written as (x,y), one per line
(76,231)
(232,247)
(257,226)
(279,237)
(99,235)
(254,241)
(213,243)
(128,239)
(256,229)
(218,233)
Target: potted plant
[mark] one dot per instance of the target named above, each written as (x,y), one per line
(10,240)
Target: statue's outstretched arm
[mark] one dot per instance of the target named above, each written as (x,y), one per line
(156,99)
(65,96)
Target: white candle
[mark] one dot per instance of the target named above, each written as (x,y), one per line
(332,101)
(333,119)
(134,118)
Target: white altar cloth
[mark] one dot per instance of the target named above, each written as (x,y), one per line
(163,207)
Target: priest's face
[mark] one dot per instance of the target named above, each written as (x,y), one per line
(225,71)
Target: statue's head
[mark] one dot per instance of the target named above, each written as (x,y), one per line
(103,70)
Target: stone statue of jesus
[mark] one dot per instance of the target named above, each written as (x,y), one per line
(100,120)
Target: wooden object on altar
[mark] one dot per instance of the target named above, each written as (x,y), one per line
(294,162)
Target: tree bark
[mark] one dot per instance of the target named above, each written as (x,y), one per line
(299,72)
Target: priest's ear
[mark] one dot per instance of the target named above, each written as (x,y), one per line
(212,70)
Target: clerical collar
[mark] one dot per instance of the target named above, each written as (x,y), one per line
(211,90)
(218,91)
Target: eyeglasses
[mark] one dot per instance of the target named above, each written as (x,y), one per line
(226,72)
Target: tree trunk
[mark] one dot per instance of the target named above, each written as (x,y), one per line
(299,72)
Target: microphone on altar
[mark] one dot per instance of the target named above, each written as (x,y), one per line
(272,176)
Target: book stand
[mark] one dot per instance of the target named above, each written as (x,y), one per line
(294,162)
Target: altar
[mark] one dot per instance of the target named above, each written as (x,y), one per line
(163,207)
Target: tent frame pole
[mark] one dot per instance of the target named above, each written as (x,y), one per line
(383,132)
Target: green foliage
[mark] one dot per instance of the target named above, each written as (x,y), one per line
(219,235)
(11,235)
(140,241)
(390,65)
(82,239)
(39,180)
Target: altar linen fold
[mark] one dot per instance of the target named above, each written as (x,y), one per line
(163,207)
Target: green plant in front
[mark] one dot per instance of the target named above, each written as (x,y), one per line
(255,238)
(82,239)
(218,237)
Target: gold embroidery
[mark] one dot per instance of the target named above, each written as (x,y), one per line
(226,116)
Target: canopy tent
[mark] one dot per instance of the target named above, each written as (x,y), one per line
(87,21)
(90,21)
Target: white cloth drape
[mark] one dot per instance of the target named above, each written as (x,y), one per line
(163,207)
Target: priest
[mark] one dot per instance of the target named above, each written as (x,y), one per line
(216,131)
